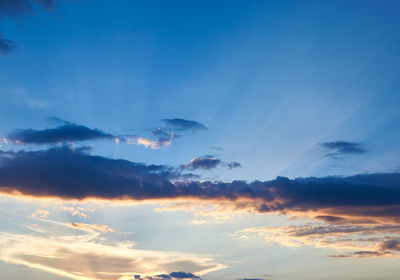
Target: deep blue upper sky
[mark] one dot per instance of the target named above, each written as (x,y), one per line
(270,79)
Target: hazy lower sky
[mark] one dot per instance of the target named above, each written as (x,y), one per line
(214,140)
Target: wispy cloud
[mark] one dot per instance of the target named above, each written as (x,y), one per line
(148,143)
(359,240)
(163,136)
(6,46)
(86,257)
(182,124)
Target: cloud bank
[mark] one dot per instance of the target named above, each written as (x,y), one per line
(76,174)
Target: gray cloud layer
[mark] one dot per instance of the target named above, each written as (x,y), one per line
(74,173)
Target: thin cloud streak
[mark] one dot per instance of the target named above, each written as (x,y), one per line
(183,125)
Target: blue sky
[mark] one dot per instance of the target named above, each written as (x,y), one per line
(210,92)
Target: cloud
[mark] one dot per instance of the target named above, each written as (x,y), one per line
(362,240)
(78,211)
(337,148)
(40,213)
(330,219)
(164,136)
(75,174)
(16,9)
(148,143)
(390,245)
(357,213)
(208,162)
(92,227)
(233,164)
(173,275)
(67,132)
(84,256)
(6,46)
(182,124)
(183,275)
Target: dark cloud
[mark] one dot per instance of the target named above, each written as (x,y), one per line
(15,9)
(337,148)
(183,275)
(182,124)
(164,137)
(330,219)
(233,164)
(6,46)
(391,245)
(367,254)
(66,132)
(68,173)
(208,162)
(73,173)
(164,276)
(173,275)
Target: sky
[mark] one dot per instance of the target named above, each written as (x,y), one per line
(213,140)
